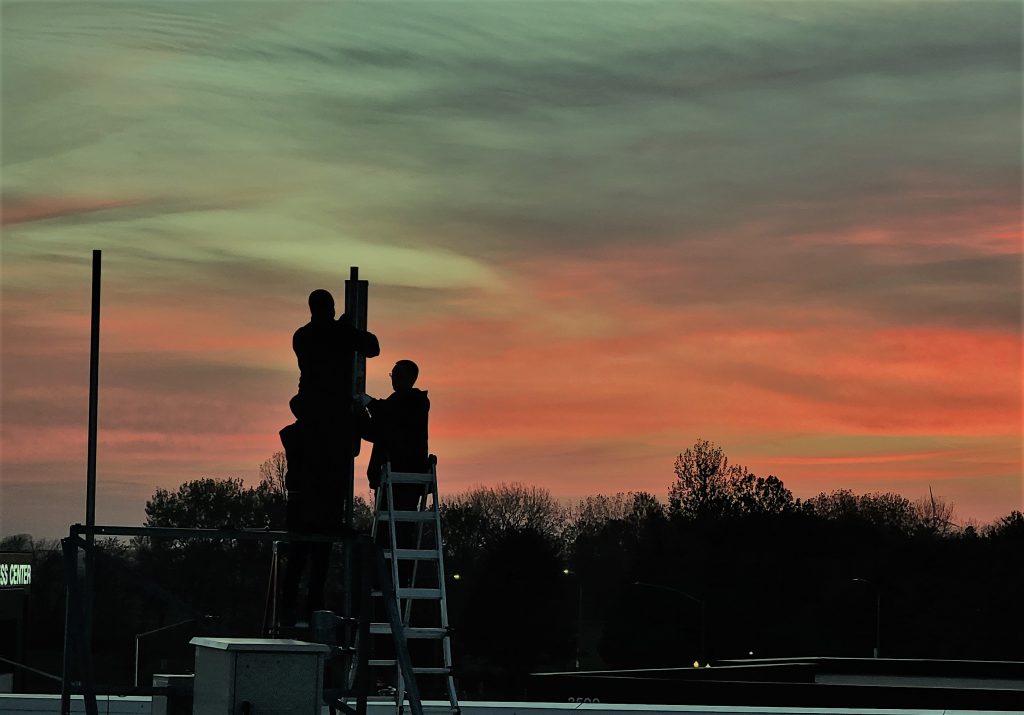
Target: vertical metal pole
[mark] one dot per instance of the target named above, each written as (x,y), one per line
(352,310)
(70,554)
(90,496)
(355,309)
(878,621)
(579,620)
(703,634)
(88,599)
(273,585)
(94,378)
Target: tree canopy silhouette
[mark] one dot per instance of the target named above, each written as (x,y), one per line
(707,486)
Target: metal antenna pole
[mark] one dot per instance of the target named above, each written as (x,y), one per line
(90,494)
(94,378)
(356,292)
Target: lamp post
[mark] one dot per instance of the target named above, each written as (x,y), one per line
(878,613)
(698,601)
(579,612)
(139,636)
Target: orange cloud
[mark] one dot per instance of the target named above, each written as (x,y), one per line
(22,210)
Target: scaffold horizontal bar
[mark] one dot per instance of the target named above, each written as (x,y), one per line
(180,533)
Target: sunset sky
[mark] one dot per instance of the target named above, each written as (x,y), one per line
(604,230)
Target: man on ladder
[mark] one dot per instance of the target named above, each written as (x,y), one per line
(398,431)
(402,474)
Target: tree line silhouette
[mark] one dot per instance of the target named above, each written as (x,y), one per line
(731,565)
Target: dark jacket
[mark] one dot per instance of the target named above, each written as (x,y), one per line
(398,430)
(324,350)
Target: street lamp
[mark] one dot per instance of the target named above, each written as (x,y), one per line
(878,612)
(698,601)
(579,612)
(139,636)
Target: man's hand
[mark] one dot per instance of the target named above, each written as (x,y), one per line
(364,399)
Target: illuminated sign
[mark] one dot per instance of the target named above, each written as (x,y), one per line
(15,570)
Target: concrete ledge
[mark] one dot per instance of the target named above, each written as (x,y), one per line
(27,704)
(142,705)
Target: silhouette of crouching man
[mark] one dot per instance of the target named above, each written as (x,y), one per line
(316,505)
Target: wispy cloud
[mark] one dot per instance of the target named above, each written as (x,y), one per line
(602,229)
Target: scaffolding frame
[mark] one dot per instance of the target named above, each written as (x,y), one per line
(369,557)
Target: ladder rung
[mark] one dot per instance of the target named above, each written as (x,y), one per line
(413,554)
(410,631)
(419,593)
(418,671)
(425,593)
(410,478)
(406,516)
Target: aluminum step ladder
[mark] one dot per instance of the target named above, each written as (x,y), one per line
(416,558)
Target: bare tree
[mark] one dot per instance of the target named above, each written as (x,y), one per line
(593,513)
(700,485)
(480,514)
(935,514)
(887,510)
(707,485)
(272,473)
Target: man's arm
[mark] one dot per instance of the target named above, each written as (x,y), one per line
(363,341)
(300,346)
(368,345)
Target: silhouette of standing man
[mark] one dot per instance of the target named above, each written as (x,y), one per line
(398,426)
(320,442)
(398,430)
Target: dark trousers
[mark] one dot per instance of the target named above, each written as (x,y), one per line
(318,555)
(315,512)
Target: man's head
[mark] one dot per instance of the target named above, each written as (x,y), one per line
(321,305)
(404,374)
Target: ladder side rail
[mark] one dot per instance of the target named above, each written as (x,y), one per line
(440,557)
(446,642)
(392,529)
(407,606)
(396,583)
(406,684)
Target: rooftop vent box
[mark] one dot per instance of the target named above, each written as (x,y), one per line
(237,676)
